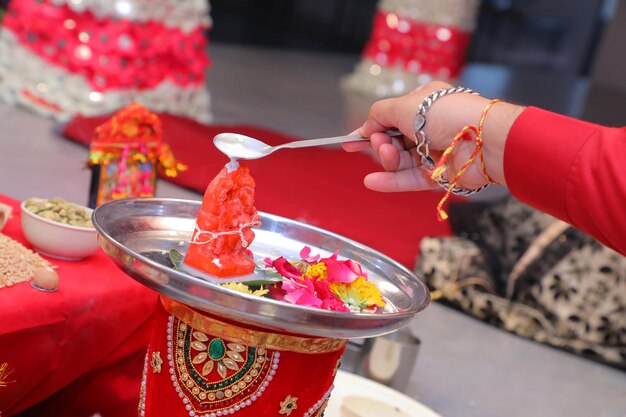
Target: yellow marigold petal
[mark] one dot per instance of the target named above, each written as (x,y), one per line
(317,271)
(360,293)
(237,286)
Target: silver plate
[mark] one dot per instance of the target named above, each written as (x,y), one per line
(139,233)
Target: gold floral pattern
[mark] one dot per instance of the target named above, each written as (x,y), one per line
(215,354)
(5,373)
(288,405)
(213,374)
(156,362)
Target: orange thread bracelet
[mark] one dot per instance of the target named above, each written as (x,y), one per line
(468,133)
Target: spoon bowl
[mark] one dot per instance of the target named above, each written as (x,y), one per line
(237,146)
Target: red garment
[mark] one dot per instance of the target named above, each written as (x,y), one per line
(571,169)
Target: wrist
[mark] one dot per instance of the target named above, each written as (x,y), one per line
(450,114)
(495,133)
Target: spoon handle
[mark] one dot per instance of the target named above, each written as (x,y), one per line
(352,137)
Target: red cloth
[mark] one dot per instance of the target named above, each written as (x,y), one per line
(321,187)
(571,169)
(264,377)
(51,340)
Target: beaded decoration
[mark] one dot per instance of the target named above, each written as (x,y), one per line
(317,409)
(215,377)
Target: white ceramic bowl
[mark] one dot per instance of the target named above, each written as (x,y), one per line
(58,240)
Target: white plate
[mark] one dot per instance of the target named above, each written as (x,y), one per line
(349,385)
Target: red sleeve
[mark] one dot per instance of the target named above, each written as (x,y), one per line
(573,170)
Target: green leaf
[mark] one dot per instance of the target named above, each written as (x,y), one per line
(263,282)
(176,258)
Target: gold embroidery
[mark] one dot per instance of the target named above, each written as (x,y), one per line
(5,373)
(215,352)
(141,407)
(156,362)
(288,405)
(337,365)
(214,374)
(248,337)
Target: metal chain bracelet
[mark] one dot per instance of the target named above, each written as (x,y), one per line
(423,143)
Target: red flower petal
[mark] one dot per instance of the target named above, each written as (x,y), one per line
(286,269)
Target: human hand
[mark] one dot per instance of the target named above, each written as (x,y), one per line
(448,115)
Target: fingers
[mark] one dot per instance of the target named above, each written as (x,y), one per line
(393,158)
(408,180)
(357,146)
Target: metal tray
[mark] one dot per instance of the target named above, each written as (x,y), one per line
(139,233)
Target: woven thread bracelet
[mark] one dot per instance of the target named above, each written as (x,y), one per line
(468,133)
(423,143)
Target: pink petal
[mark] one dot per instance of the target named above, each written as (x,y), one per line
(268,262)
(301,292)
(354,267)
(291,285)
(305,255)
(340,272)
(334,305)
(303,297)
(286,269)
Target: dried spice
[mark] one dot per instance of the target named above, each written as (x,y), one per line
(17,262)
(61,211)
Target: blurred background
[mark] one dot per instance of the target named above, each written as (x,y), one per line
(571,49)
(288,69)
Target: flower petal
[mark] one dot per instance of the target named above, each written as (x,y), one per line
(301,292)
(305,254)
(334,304)
(341,271)
(286,269)
(304,298)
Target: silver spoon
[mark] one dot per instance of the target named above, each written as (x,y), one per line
(238,146)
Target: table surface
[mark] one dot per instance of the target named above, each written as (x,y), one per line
(464,367)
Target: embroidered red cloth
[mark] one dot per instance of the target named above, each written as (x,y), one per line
(198,365)
(318,186)
(82,342)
